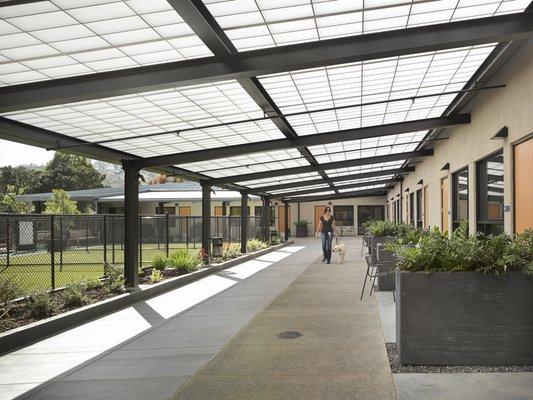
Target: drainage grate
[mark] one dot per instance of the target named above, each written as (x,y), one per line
(289,335)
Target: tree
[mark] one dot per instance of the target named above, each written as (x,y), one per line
(69,172)
(9,203)
(61,203)
(20,177)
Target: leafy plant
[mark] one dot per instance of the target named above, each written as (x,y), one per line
(492,255)
(230,250)
(159,262)
(276,240)
(184,261)
(255,245)
(156,276)
(115,279)
(302,222)
(41,305)
(73,295)
(92,283)
(9,291)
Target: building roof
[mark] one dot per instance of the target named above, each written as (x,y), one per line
(173,191)
(184,195)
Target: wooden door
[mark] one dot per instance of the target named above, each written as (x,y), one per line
(319,211)
(523,185)
(445,203)
(426,215)
(218,211)
(281,218)
(185,211)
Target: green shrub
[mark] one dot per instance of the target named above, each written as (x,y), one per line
(230,251)
(92,283)
(9,291)
(302,222)
(255,245)
(41,305)
(156,276)
(184,260)
(276,240)
(73,295)
(493,255)
(116,286)
(159,262)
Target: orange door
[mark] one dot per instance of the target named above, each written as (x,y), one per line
(523,185)
(218,211)
(281,218)
(185,211)
(319,211)
(445,202)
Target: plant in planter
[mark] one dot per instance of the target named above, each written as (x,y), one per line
(301,228)
(73,295)
(276,240)
(159,262)
(255,245)
(9,291)
(41,305)
(156,276)
(465,300)
(184,261)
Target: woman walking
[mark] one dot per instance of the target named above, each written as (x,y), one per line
(326,229)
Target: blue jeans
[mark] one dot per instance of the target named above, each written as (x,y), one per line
(327,239)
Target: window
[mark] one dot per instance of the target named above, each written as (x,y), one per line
(343,215)
(235,211)
(490,194)
(412,208)
(460,197)
(365,213)
(166,210)
(419,208)
(259,212)
(116,210)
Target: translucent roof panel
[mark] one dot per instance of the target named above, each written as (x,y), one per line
(364,168)
(60,38)
(246,164)
(298,189)
(373,92)
(252,24)
(280,180)
(169,110)
(362,188)
(323,193)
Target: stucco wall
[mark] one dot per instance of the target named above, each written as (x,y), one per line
(511,106)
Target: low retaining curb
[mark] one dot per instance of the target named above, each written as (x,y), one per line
(25,335)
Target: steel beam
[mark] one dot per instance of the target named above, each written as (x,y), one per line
(358,193)
(302,141)
(333,165)
(244,221)
(268,61)
(287,222)
(131,224)
(200,20)
(265,219)
(347,186)
(269,189)
(206,221)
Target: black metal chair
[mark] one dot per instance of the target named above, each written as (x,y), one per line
(365,243)
(372,272)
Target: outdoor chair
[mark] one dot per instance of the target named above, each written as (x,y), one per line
(372,268)
(365,243)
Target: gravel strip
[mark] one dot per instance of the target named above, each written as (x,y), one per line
(397,368)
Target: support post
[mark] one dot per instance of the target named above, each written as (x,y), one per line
(52,253)
(7,241)
(244,221)
(206,220)
(131,223)
(265,222)
(287,222)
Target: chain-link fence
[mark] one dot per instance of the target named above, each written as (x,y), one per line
(44,252)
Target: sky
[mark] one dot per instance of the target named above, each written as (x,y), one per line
(14,154)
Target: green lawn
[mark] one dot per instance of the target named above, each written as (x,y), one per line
(33,272)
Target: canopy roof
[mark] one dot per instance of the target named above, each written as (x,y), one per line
(251,95)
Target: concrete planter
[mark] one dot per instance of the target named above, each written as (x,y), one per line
(301,230)
(464,318)
(385,283)
(25,335)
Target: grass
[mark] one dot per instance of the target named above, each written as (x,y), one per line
(32,271)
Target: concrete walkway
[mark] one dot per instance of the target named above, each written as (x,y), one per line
(339,355)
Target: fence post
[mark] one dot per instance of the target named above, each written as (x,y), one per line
(187,230)
(140,241)
(105,240)
(229,230)
(167,233)
(52,253)
(113,240)
(61,244)
(7,255)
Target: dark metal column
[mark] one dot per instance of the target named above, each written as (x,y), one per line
(244,221)
(131,223)
(265,221)
(287,222)
(206,220)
